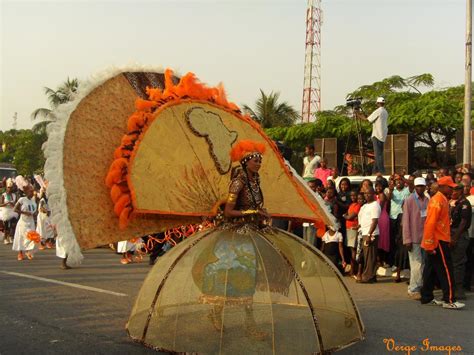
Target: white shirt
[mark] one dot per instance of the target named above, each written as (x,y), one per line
(336,238)
(310,166)
(367,213)
(379,120)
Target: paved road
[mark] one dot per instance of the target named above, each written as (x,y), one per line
(40,317)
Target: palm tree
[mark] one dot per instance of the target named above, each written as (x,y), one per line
(63,94)
(271,113)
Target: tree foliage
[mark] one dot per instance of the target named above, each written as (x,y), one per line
(64,93)
(431,117)
(23,150)
(269,112)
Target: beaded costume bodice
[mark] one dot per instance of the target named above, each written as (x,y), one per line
(249,194)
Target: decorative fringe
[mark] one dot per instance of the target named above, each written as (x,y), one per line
(53,150)
(189,87)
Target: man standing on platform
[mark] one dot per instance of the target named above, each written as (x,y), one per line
(379,120)
(435,242)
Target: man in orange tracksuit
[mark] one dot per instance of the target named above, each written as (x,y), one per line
(435,242)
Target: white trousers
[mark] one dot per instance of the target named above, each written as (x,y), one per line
(416,268)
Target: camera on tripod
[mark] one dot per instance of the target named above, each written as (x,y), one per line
(355,102)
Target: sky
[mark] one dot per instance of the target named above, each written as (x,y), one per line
(246,44)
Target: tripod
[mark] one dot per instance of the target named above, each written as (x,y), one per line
(357,125)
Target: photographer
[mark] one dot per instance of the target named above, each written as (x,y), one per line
(379,120)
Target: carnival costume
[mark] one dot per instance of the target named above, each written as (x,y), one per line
(238,287)
(26,223)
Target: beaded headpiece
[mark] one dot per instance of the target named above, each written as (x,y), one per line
(246,150)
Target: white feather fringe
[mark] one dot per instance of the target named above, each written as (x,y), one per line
(53,150)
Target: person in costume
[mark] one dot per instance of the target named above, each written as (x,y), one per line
(44,227)
(243,212)
(27,208)
(8,215)
(240,286)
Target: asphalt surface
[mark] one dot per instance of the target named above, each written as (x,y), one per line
(37,316)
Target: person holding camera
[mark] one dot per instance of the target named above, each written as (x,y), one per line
(379,120)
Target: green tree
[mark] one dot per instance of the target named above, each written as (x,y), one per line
(64,93)
(23,150)
(269,112)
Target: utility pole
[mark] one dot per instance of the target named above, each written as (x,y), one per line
(467,87)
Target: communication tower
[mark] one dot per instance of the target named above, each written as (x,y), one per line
(312,63)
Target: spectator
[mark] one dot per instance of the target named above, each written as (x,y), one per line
(331,200)
(413,221)
(343,201)
(461,214)
(432,188)
(384,224)
(466,180)
(442,173)
(323,172)
(435,242)
(430,175)
(310,162)
(364,186)
(398,256)
(470,247)
(317,186)
(368,220)
(332,247)
(352,224)
(458,177)
(410,183)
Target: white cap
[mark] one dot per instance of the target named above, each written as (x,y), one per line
(420,181)
(380,100)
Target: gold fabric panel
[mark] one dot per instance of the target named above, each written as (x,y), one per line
(174,169)
(93,132)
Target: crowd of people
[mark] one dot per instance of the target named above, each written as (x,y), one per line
(420,222)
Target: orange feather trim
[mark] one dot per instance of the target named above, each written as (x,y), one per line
(124,217)
(141,104)
(122,202)
(115,193)
(189,87)
(245,147)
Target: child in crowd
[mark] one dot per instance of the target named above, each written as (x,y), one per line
(352,226)
(331,200)
(332,247)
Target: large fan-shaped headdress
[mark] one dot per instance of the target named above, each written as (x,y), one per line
(141,151)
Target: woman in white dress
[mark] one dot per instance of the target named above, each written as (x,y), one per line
(7,213)
(44,227)
(26,207)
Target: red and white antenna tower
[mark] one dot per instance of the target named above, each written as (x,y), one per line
(312,63)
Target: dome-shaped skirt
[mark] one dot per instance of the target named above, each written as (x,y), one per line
(222,291)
